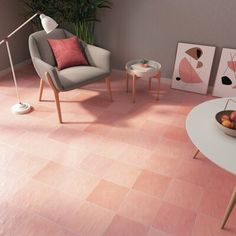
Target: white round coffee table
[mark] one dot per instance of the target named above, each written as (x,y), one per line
(212,142)
(134,69)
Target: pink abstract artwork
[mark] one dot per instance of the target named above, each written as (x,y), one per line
(225,83)
(193,67)
(187,73)
(232,65)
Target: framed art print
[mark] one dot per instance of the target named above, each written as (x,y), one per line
(193,67)
(225,83)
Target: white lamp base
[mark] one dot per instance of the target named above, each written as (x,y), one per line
(21,108)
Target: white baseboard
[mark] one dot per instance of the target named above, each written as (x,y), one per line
(16,66)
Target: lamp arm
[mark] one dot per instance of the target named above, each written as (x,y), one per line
(26,22)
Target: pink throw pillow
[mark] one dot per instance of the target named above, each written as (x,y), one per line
(67,52)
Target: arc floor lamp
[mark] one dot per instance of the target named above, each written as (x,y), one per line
(48,25)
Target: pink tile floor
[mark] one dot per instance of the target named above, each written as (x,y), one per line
(113,169)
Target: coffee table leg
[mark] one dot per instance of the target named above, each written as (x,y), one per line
(127,82)
(229,209)
(134,88)
(195,155)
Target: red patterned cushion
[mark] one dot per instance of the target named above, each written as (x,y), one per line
(67,52)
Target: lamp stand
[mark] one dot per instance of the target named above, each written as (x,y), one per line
(19,108)
(49,25)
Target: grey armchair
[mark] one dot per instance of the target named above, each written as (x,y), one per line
(69,78)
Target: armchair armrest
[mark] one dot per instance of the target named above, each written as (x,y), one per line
(42,67)
(98,57)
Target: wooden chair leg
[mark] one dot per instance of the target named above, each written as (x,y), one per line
(229,209)
(134,88)
(127,82)
(41,86)
(56,94)
(108,82)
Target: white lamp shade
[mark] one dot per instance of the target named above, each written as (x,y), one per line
(48,23)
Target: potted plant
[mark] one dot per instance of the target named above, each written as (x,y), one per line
(80,14)
(48,7)
(144,63)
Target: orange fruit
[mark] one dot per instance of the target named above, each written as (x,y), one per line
(225,117)
(227,123)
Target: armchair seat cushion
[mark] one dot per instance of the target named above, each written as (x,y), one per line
(77,76)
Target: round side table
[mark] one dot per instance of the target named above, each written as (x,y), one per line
(136,71)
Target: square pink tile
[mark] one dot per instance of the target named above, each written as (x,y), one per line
(175,220)
(120,107)
(144,140)
(10,183)
(195,171)
(96,164)
(154,127)
(151,183)
(19,222)
(110,148)
(64,134)
(47,148)
(76,182)
(184,194)
(135,156)
(134,137)
(219,178)
(99,128)
(176,133)
(140,207)
(108,195)
(155,232)
(125,227)
(41,111)
(21,162)
(208,226)
(159,115)
(8,134)
(70,156)
(162,164)
(180,150)
(122,174)
(184,110)
(87,141)
(214,203)
(89,220)
(47,202)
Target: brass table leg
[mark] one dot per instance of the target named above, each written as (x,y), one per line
(150,83)
(127,82)
(134,88)
(158,85)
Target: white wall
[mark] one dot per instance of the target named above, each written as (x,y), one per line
(151,29)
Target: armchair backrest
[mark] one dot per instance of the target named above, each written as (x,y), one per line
(39,46)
